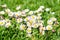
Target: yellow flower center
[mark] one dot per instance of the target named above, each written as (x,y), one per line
(23,27)
(33,17)
(18,20)
(1,22)
(49,28)
(31,21)
(29,30)
(16,14)
(27,19)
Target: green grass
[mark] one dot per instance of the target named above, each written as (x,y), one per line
(15,34)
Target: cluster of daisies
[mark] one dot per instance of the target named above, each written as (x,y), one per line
(27,19)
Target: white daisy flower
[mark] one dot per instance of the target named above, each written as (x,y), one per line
(39,17)
(22,27)
(29,24)
(19,12)
(32,21)
(40,24)
(26,19)
(23,13)
(19,20)
(2,12)
(7,24)
(42,7)
(50,22)
(4,5)
(7,10)
(11,14)
(47,9)
(2,22)
(39,10)
(1,17)
(16,14)
(33,17)
(28,30)
(35,25)
(41,28)
(52,13)
(43,32)
(35,11)
(40,21)
(53,19)
(26,10)
(31,12)
(18,7)
(48,27)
